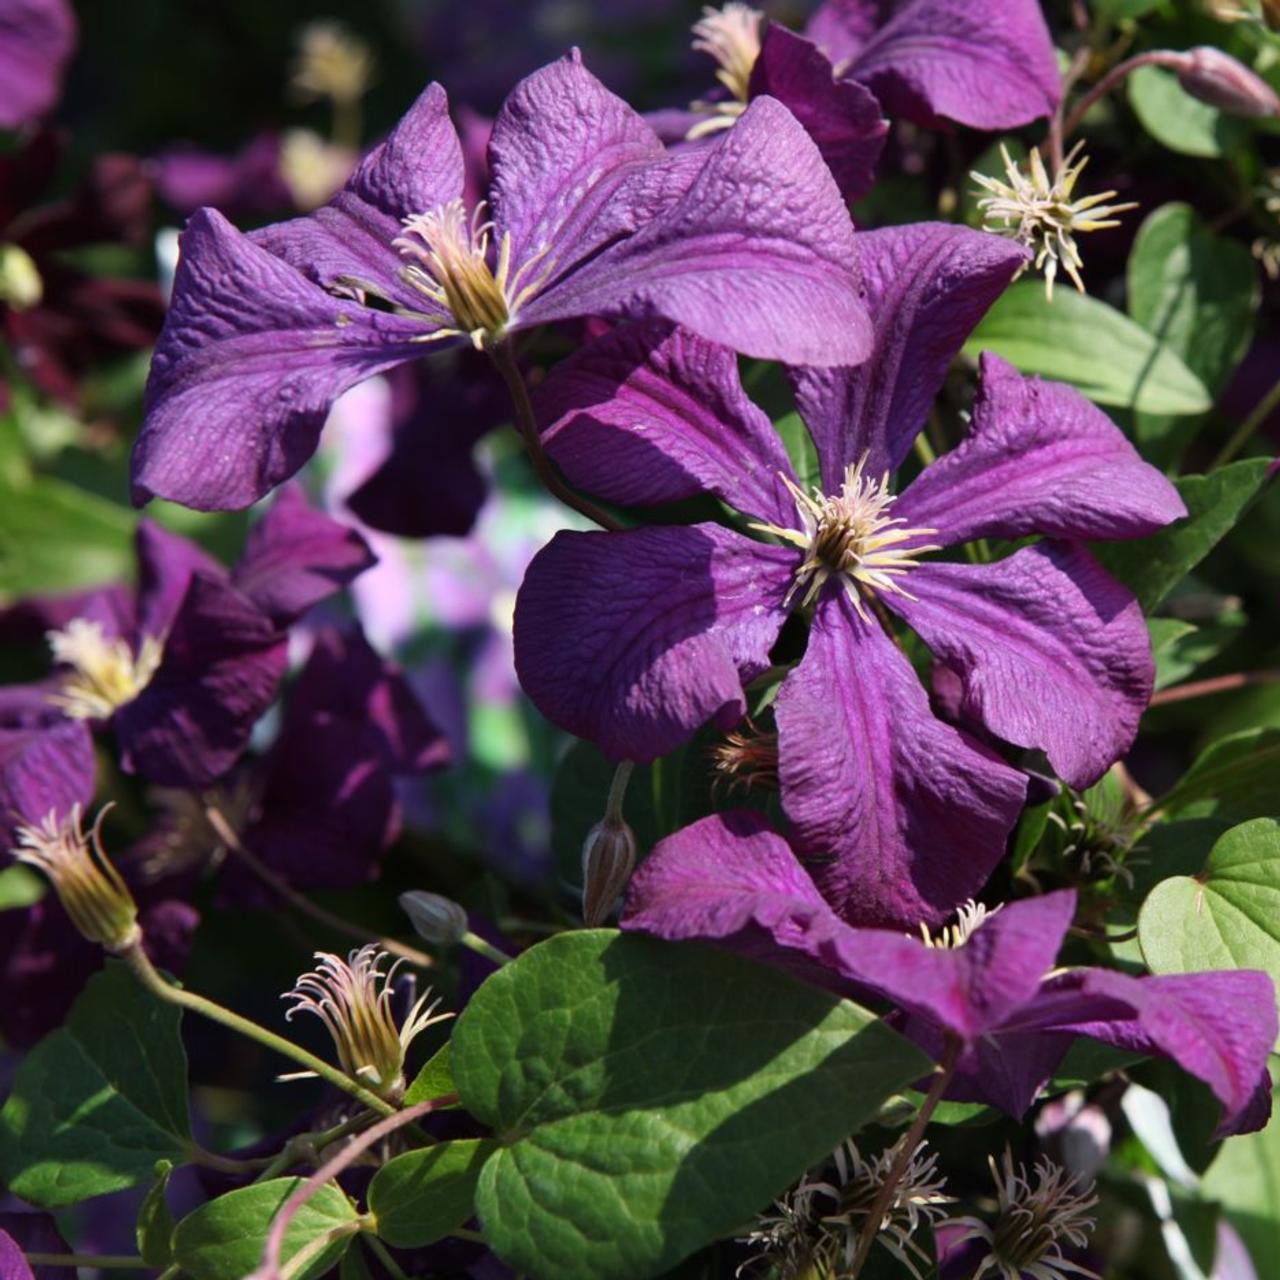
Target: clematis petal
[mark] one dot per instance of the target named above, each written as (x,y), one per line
(166,562)
(927,284)
(1052,652)
(757,254)
(634,640)
(251,357)
(36,39)
(841,28)
(222,666)
(43,770)
(989,64)
(1039,458)
(295,557)
(903,816)
(842,117)
(651,413)
(29,1233)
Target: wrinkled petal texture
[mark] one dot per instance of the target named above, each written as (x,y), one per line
(635,640)
(902,816)
(1039,458)
(36,39)
(651,413)
(927,285)
(1051,650)
(43,771)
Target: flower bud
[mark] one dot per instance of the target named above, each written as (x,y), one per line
(438,919)
(608,856)
(1220,80)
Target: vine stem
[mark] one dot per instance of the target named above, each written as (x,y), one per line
(147,974)
(505,362)
(269,1269)
(1117,74)
(1240,437)
(907,1146)
(1219,684)
(227,834)
(105,1261)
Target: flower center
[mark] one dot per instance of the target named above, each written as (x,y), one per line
(449,264)
(732,37)
(852,536)
(969,918)
(105,674)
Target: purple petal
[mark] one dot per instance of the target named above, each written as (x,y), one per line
(757,254)
(1052,651)
(1039,458)
(29,1233)
(246,184)
(222,665)
(989,64)
(904,816)
(651,413)
(842,117)
(36,39)
(251,357)
(44,771)
(166,563)
(927,284)
(296,556)
(840,28)
(635,640)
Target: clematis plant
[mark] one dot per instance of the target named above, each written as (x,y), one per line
(636,639)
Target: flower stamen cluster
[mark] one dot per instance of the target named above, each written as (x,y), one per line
(731,36)
(105,675)
(970,916)
(332,63)
(747,759)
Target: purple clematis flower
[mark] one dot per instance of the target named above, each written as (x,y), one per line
(988,983)
(747,243)
(636,639)
(36,39)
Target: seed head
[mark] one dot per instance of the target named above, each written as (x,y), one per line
(746,759)
(332,63)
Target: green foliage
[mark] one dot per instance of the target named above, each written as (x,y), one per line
(154,1231)
(1177,120)
(1234,779)
(1180,647)
(100,1100)
(435,1080)
(650,1097)
(1245,1180)
(422,1196)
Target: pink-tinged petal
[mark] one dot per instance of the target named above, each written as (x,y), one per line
(1039,458)
(251,357)
(903,816)
(1051,650)
(42,771)
(560,148)
(989,64)
(927,284)
(651,413)
(296,556)
(840,28)
(635,640)
(166,562)
(842,117)
(757,254)
(222,666)
(36,39)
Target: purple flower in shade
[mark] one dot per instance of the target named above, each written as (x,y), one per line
(989,983)
(747,243)
(636,639)
(36,39)
(23,1233)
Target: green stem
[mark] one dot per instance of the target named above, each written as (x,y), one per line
(103,1261)
(149,977)
(224,1164)
(1261,412)
(395,1270)
(486,949)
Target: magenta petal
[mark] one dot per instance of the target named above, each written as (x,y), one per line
(166,561)
(44,771)
(36,39)
(842,117)
(251,357)
(651,413)
(1039,458)
(840,28)
(771,277)
(903,816)
(1051,650)
(30,1233)
(927,284)
(635,640)
(296,556)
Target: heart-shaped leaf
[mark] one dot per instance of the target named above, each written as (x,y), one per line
(420,1196)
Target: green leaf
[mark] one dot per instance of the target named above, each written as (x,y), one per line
(800,449)
(154,1229)
(1177,120)
(224,1239)
(98,1102)
(1245,1180)
(650,1096)
(1227,917)
(435,1080)
(1083,341)
(1152,567)
(422,1196)
(20,887)
(1236,778)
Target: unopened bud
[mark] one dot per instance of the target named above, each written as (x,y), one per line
(1220,80)
(438,919)
(608,856)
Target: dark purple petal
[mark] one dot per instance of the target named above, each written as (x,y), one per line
(902,816)
(250,360)
(247,183)
(29,1233)
(989,64)
(757,254)
(166,563)
(25,623)
(36,39)
(651,413)
(1039,458)
(1052,651)
(635,640)
(842,117)
(927,284)
(44,771)
(295,557)
(222,665)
